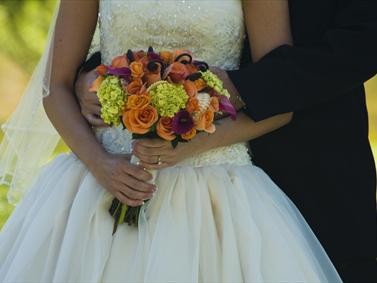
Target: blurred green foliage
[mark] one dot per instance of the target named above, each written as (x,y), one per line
(5,207)
(23,28)
(24,24)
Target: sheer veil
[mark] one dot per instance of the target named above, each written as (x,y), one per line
(29,137)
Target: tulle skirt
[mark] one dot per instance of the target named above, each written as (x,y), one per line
(222,223)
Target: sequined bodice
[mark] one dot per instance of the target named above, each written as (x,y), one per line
(212,30)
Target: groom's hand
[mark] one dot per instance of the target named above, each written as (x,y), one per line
(89,103)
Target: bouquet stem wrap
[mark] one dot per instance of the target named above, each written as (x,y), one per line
(128,214)
(135,160)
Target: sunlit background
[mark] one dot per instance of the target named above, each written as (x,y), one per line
(23,28)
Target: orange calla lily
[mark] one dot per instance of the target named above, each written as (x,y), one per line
(96,84)
(101,70)
(190,88)
(189,135)
(119,62)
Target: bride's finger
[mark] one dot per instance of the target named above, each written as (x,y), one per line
(127,201)
(138,173)
(136,185)
(155,143)
(163,162)
(134,194)
(154,166)
(146,158)
(152,151)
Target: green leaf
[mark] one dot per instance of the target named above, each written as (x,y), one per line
(114,206)
(116,211)
(116,219)
(122,214)
(149,135)
(175,142)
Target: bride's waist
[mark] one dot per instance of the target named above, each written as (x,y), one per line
(117,140)
(236,154)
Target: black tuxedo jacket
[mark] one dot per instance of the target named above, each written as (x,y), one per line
(322,159)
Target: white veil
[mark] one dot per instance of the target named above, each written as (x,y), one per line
(29,137)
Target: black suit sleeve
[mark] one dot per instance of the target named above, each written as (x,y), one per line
(292,78)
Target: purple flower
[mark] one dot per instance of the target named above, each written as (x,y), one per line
(226,106)
(119,72)
(182,122)
(154,56)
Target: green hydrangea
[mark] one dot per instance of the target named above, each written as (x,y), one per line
(112,98)
(214,82)
(168,98)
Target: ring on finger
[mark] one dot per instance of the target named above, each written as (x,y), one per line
(159,162)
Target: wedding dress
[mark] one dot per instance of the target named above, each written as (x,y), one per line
(215,218)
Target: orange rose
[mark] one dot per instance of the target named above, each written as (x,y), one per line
(190,88)
(119,62)
(189,135)
(214,104)
(192,105)
(137,69)
(138,101)
(164,128)
(205,122)
(135,87)
(139,121)
(177,72)
(166,56)
(101,70)
(191,68)
(96,84)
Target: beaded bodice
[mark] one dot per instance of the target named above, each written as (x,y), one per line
(212,30)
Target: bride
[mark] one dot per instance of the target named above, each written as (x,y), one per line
(213,216)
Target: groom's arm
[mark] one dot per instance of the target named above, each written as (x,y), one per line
(89,103)
(291,78)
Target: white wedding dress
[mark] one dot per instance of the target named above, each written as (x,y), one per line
(215,218)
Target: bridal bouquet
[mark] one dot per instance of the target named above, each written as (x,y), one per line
(166,94)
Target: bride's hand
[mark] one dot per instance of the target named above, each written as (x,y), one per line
(125,181)
(157,153)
